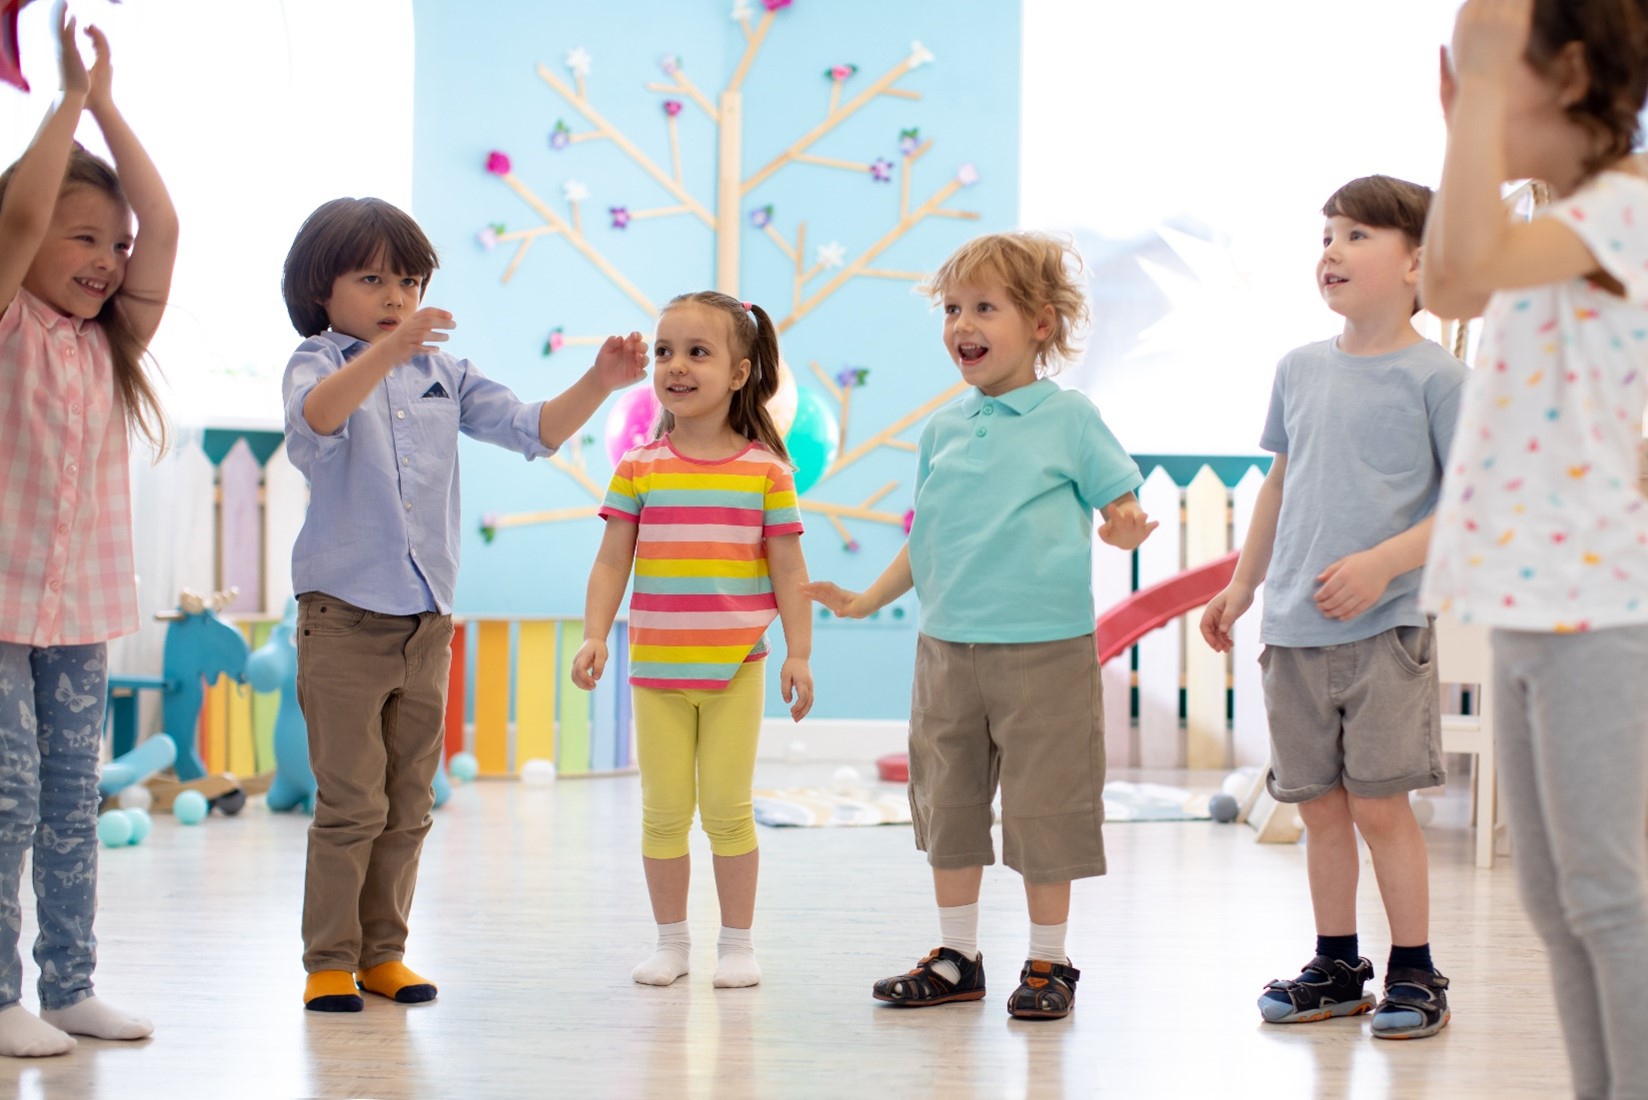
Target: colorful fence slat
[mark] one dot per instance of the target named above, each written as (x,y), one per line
(535,692)
(240,528)
(574,710)
(492,696)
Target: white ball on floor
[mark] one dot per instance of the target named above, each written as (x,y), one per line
(1423,809)
(538,773)
(1237,784)
(797,752)
(845,779)
(135,797)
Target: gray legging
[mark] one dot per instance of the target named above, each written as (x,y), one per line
(1572,733)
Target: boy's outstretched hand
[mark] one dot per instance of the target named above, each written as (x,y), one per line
(591,660)
(842,603)
(622,361)
(796,679)
(1126,526)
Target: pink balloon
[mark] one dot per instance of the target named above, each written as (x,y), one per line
(631,421)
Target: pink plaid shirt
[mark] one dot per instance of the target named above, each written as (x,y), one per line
(66,572)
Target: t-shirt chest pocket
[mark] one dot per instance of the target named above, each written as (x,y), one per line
(1393,438)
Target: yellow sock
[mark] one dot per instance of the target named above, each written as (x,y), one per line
(331,991)
(393,980)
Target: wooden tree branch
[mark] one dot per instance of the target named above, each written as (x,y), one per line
(642,161)
(885,435)
(751,48)
(577,240)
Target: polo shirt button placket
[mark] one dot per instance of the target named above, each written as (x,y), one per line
(982,432)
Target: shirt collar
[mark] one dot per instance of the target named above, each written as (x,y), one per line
(1019,401)
(348,346)
(47,316)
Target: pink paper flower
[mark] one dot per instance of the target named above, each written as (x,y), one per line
(909,520)
(774,5)
(497,163)
(556,341)
(620,216)
(882,170)
(838,73)
(672,107)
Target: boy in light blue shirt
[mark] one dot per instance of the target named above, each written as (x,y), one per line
(1006,678)
(373,412)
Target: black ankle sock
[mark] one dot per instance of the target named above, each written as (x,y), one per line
(1343,948)
(1417,958)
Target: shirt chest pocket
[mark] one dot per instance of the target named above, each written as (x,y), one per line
(1394,438)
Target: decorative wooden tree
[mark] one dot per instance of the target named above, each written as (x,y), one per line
(722,217)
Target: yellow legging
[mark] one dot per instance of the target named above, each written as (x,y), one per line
(680,731)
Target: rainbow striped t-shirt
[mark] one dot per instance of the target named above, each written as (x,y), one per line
(702,598)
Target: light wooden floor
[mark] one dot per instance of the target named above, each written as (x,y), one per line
(531,912)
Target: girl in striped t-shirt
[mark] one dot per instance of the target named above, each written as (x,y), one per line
(706,514)
(80,298)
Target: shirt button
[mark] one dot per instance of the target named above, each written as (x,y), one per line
(409,506)
(54,586)
(73,468)
(400,414)
(62,528)
(406,461)
(982,432)
(75,409)
(989,410)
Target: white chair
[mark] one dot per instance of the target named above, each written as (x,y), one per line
(1463,657)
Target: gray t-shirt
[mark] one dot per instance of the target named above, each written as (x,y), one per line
(1366,438)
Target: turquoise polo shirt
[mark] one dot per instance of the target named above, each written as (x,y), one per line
(1001,547)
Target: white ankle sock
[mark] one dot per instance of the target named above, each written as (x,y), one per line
(99,1019)
(25,1035)
(735,964)
(1047,942)
(958,930)
(669,959)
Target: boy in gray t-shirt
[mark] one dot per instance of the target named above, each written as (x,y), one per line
(1360,426)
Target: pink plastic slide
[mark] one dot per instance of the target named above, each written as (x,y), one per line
(1119,627)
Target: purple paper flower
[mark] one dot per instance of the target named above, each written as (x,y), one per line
(850,378)
(672,107)
(489,236)
(761,216)
(620,216)
(882,170)
(561,136)
(497,163)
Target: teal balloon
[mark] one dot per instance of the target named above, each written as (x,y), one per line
(814,438)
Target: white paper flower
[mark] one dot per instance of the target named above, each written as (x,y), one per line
(920,55)
(967,175)
(741,10)
(833,254)
(578,61)
(574,191)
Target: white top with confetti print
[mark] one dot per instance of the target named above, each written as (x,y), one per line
(1542,525)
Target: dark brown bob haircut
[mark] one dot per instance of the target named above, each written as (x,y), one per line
(347,235)
(1383,202)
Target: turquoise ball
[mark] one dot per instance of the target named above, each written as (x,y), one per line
(463,767)
(114,829)
(141,824)
(190,808)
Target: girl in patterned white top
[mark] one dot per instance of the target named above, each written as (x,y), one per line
(1542,530)
(81,298)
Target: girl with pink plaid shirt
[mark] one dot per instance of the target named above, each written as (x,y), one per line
(81,299)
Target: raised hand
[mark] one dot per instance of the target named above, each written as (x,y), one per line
(419,334)
(1126,527)
(101,93)
(73,65)
(622,361)
(1490,38)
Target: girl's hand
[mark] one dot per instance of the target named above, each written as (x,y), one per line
(794,679)
(1490,38)
(842,603)
(622,361)
(101,93)
(1351,585)
(1126,526)
(68,53)
(591,660)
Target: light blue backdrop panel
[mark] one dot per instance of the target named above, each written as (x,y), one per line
(478,91)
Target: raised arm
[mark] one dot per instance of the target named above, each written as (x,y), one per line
(154,249)
(1471,248)
(622,361)
(26,212)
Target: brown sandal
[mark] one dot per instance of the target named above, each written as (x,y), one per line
(1047,991)
(925,986)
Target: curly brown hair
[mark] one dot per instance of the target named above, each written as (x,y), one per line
(1613,39)
(1038,270)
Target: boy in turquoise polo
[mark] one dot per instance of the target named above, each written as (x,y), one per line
(1006,678)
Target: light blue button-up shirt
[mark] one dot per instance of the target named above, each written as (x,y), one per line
(1001,547)
(382,528)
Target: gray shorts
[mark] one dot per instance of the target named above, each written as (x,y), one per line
(1363,715)
(1028,716)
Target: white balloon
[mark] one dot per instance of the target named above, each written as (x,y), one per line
(845,780)
(538,773)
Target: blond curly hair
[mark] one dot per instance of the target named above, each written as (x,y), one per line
(1038,270)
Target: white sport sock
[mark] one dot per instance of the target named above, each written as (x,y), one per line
(25,1035)
(1047,942)
(958,930)
(735,965)
(99,1019)
(669,960)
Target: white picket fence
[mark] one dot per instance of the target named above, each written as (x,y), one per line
(1180,713)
